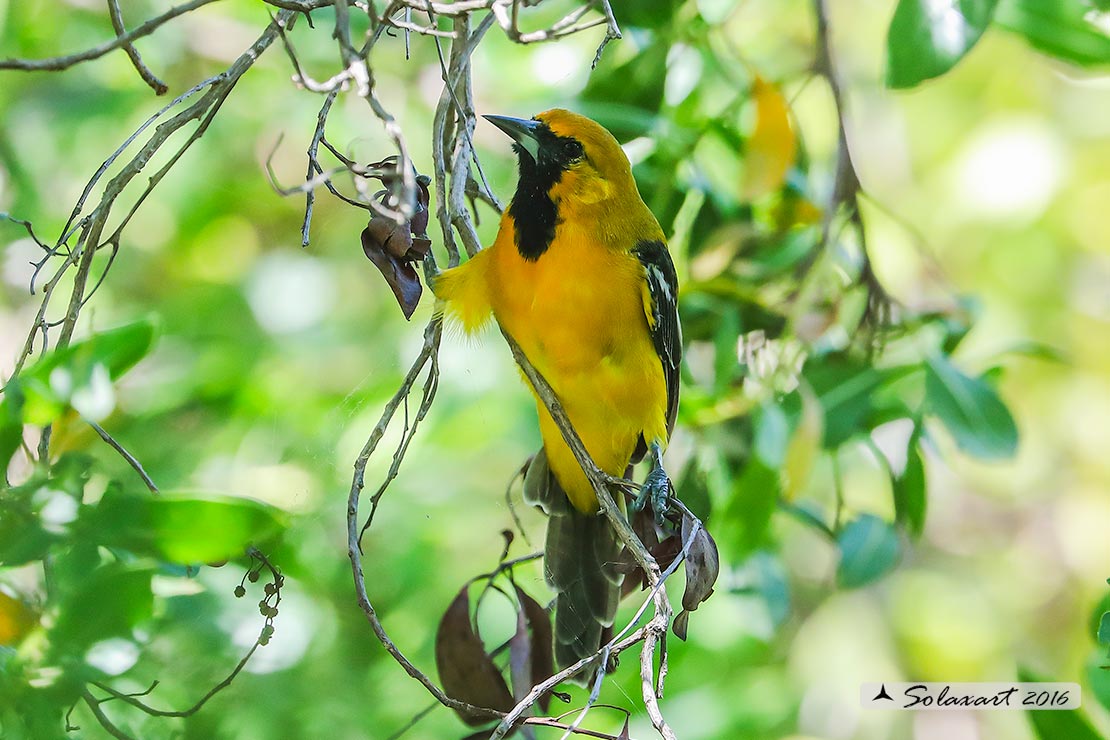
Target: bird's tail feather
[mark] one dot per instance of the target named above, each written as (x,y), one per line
(581,565)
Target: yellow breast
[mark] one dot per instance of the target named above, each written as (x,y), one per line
(578,314)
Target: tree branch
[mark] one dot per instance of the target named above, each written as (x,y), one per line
(125,455)
(156,84)
(65,62)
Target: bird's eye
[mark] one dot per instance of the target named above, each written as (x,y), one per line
(572,149)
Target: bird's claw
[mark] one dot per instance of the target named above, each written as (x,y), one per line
(655,491)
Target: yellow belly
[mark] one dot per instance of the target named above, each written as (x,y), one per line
(578,314)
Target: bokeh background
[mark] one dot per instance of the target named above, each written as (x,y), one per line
(987,187)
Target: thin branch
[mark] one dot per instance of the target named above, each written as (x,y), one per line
(595,692)
(313,147)
(125,455)
(65,62)
(432,335)
(149,78)
(518,475)
(146,708)
(94,706)
(555,724)
(415,719)
(30,230)
(431,385)
(845,193)
(516,716)
(205,109)
(612,32)
(263,638)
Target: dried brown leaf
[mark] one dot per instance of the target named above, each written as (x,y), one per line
(465,670)
(520,657)
(541,647)
(703,564)
(393,247)
(399,273)
(681,624)
(423,198)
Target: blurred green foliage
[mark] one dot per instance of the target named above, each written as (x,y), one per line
(854,459)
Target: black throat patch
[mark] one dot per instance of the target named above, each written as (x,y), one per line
(535,214)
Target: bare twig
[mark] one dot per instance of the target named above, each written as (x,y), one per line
(432,335)
(431,385)
(94,707)
(121,40)
(147,709)
(30,230)
(415,719)
(273,595)
(149,78)
(313,165)
(846,187)
(125,455)
(612,32)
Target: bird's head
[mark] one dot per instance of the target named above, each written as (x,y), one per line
(572,159)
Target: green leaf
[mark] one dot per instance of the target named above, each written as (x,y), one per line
(1060,28)
(1104,629)
(117,349)
(182,527)
(869,548)
(909,490)
(1056,725)
(108,602)
(772,434)
(22,537)
(11,422)
(971,411)
(1095,621)
(1098,676)
(846,389)
(78,375)
(640,14)
(927,37)
(748,516)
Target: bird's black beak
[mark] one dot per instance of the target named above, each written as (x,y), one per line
(522,132)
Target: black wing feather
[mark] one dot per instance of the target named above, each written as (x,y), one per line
(666,332)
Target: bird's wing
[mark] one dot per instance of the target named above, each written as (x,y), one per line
(661,306)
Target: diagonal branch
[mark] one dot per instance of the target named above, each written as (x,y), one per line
(134,463)
(656,628)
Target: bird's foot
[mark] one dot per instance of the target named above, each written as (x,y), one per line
(656,489)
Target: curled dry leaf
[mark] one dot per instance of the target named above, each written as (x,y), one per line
(702,566)
(664,551)
(540,645)
(395,247)
(465,670)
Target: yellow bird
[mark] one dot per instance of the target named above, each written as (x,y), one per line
(580,276)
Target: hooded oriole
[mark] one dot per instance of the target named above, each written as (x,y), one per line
(580,277)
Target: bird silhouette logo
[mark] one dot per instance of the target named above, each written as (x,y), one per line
(882,694)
